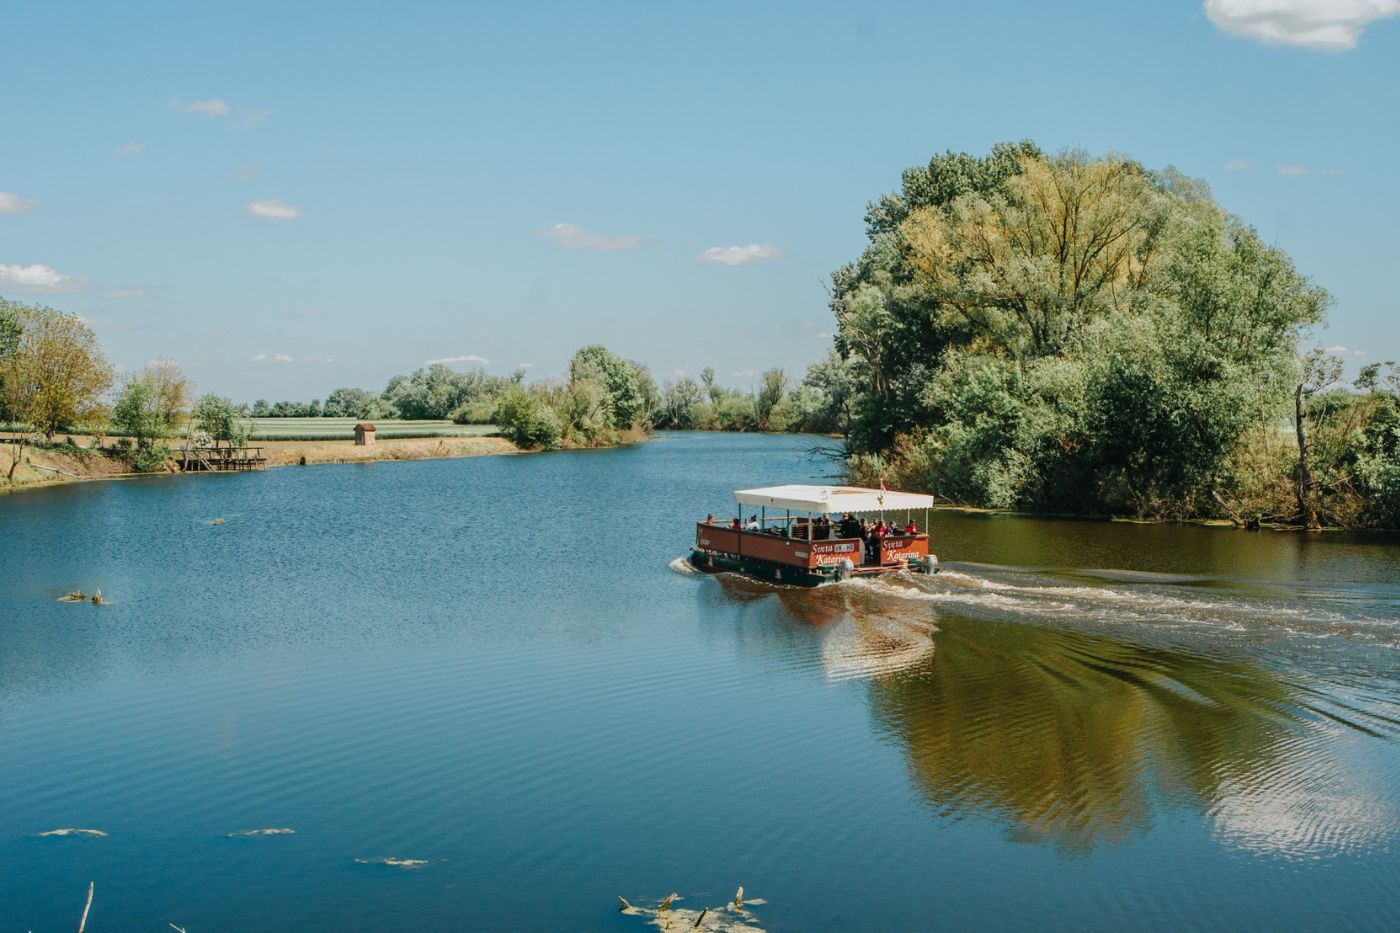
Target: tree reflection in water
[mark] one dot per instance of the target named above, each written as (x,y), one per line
(1072,739)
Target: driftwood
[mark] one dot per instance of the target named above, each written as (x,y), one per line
(86,907)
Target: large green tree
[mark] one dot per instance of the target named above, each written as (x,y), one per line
(621,384)
(1064,332)
(53,374)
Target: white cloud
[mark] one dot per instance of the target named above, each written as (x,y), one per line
(524,365)
(1295,170)
(132,148)
(741,255)
(1323,25)
(205,108)
(246,172)
(273,210)
(130,293)
(249,117)
(575,237)
(35,278)
(1238,165)
(679,373)
(823,334)
(469,358)
(273,358)
(14,204)
(1335,349)
(245,117)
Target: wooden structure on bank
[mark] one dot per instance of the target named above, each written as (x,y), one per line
(222,459)
(364,434)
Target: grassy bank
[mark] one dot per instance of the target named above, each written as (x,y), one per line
(293,452)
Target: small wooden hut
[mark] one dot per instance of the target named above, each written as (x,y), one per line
(364,434)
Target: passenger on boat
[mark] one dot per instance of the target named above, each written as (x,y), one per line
(823,528)
(850,527)
(753,524)
(736,524)
(710,518)
(911,528)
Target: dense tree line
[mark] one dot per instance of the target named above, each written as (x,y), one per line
(1076,334)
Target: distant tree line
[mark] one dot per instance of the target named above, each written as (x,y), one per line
(603,397)
(1074,334)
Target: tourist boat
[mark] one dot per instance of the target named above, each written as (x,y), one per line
(790,543)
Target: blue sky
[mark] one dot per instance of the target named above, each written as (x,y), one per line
(290,198)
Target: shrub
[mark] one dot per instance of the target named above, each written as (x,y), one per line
(527,421)
(150,458)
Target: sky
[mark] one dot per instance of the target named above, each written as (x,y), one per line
(290,198)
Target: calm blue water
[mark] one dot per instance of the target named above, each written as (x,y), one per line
(492,666)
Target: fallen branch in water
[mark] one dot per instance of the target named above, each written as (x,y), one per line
(86,907)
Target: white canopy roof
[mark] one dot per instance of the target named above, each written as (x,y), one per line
(832,499)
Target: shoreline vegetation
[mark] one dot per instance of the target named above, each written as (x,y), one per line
(51,465)
(1026,332)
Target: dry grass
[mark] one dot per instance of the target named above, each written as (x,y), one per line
(285,453)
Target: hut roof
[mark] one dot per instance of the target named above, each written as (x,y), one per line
(364,426)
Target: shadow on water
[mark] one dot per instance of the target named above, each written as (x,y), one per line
(1074,739)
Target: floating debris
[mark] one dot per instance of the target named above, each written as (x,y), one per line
(217,521)
(69,831)
(77,596)
(271,831)
(394,862)
(97,599)
(82,924)
(731,918)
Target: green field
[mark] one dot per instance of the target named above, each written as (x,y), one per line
(330,429)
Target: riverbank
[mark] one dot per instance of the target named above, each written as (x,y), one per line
(292,453)
(48,466)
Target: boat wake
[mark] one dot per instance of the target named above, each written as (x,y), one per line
(684,567)
(1138,600)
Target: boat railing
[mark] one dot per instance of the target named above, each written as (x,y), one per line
(801,552)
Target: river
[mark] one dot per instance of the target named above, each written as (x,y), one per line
(484,694)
